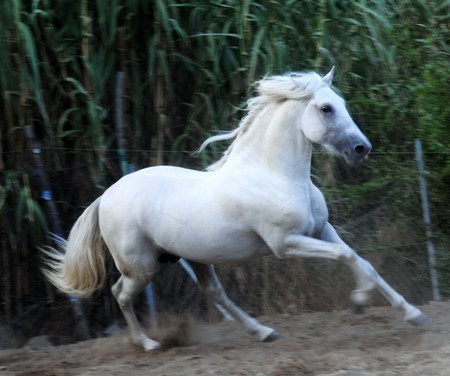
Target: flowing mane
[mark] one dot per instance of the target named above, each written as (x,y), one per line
(295,85)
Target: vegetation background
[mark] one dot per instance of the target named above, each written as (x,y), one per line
(92,90)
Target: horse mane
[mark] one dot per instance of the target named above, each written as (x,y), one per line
(270,89)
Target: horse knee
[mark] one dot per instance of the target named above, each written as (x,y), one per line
(347,255)
(122,297)
(126,289)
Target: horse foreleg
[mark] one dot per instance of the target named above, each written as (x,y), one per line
(366,275)
(411,314)
(360,295)
(211,286)
(367,278)
(125,290)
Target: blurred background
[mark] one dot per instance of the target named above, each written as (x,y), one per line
(92,90)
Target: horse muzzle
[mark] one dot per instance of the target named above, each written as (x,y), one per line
(356,152)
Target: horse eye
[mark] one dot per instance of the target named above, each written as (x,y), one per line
(326,109)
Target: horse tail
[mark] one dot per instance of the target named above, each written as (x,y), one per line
(78,266)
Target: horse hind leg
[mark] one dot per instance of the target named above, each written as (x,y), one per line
(211,286)
(125,291)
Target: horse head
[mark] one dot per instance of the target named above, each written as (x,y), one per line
(326,122)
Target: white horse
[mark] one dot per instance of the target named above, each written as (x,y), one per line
(255,201)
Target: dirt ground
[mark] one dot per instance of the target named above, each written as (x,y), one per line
(340,343)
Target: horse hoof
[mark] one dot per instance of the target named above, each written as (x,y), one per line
(421,321)
(146,343)
(359,308)
(152,347)
(272,336)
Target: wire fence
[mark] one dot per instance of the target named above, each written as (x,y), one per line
(187,152)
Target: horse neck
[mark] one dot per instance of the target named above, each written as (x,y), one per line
(274,141)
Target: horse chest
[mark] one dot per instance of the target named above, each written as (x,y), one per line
(305,219)
(300,209)
(313,221)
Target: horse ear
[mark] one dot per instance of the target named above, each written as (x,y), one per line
(328,78)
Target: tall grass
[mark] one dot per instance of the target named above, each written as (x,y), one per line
(184,68)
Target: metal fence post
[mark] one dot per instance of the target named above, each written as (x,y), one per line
(427,220)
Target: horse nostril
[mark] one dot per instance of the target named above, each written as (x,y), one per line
(361,149)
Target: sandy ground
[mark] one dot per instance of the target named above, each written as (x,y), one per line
(340,343)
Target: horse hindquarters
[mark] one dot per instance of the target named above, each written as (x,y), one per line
(134,256)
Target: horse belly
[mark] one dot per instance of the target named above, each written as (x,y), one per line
(226,248)
(196,227)
(208,241)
